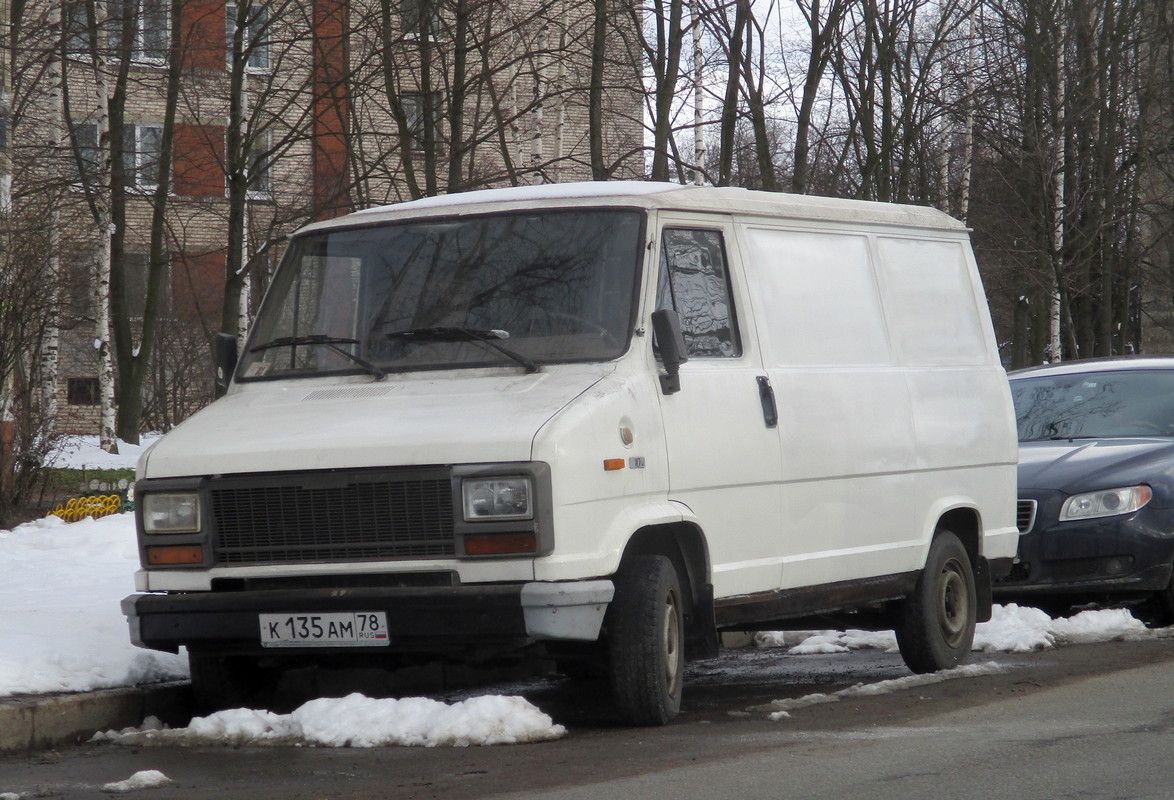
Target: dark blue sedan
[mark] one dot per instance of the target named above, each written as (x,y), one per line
(1096,486)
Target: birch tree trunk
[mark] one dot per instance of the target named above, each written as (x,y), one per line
(537,111)
(50,345)
(105,229)
(560,85)
(968,134)
(698,96)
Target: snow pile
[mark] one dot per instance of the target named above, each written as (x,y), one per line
(61,628)
(84,452)
(359,721)
(781,709)
(145,779)
(1012,629)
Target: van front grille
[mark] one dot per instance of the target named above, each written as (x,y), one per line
(320,517)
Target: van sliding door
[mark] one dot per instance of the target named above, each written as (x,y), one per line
(849,495)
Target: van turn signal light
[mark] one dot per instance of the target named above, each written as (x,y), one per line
(175,555)
(612,463)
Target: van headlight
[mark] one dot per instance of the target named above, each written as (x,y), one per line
(491,499)
(173,512)
(1106,503)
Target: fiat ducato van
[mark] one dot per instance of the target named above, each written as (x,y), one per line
(602,422)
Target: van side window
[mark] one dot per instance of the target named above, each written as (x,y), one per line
(695,282)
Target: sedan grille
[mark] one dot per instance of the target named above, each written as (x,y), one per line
(1025,515)
(317,517)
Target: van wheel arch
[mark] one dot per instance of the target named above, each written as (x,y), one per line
(935,623)
(685,546)
(966,524)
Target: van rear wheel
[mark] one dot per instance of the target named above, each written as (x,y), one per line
(646,641)
(935,624)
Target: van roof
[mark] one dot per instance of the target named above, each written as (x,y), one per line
(654,195)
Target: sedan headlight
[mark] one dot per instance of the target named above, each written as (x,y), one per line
(171,513)
(1107,503)
(490,499)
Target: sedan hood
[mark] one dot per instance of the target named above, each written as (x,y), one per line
(457,417)
(1079,465)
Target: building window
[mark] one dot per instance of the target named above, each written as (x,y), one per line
(150,27)
(420,18)
(141,147)
(255,44)
(259,170)
(78,28)
(86,161)
(414,104)
(82,391)
(149,21)
(135,275)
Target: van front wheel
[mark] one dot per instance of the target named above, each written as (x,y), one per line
(935,624)
(646,642)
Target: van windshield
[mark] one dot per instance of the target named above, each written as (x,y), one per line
(518,290)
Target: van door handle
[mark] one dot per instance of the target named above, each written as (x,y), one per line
(766,393)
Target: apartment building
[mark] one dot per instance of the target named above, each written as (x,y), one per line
(277,114)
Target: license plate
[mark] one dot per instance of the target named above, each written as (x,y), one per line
(332,629)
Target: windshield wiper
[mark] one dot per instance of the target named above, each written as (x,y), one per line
(453,334)
(324,340)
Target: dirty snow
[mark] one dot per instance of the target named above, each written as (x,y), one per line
(1012,629)
(358,721)
(145,779)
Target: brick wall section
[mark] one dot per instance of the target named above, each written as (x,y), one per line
(197,285)
(203,32)
(199,160)
(331,106)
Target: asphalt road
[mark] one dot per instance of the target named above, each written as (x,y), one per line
(1086,721)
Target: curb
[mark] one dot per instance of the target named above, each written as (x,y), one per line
(40,722)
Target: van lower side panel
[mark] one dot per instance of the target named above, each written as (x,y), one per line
(806,601)
(416,618)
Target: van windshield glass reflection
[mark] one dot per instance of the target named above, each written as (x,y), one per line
(1095,405)
(516,290)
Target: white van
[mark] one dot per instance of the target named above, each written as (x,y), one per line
(607,421)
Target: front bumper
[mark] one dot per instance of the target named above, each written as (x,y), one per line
(1129,554)
(419,619)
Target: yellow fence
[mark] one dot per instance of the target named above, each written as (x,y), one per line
(82,507)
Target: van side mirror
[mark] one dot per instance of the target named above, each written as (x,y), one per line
(666,326)
(225,362)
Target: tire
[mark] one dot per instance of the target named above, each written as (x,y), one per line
(1164,601)
(646,641)
(935,624)
(221,682)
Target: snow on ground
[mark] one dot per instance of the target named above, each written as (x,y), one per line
(62,630)
(83,452)
(781,709)
(144,779)
(358,721)
(1012,629)
(61,627)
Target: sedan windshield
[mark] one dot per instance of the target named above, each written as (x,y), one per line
(516,290)
(1095,405)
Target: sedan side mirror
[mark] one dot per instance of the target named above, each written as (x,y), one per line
(666,326)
